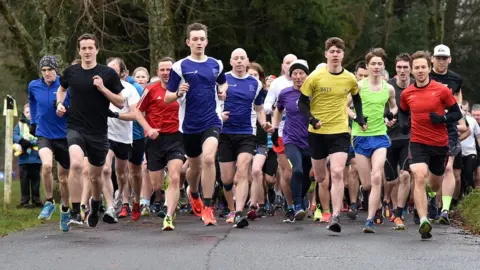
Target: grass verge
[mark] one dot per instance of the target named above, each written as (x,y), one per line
(14,219)
(469,211)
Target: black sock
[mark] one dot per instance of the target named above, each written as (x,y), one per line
(195,195)
(50,200)
(64,208)
(76,208)
(262,205)
(399,212)
(127,204)
(207,202)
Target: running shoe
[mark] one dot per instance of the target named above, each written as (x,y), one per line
(231,217)
(299,213)
(208,217)
(270,209)
(109,216)
(334,225)
(317,215)
(399,225)
(261,212)
(94,213)
(163,212)
(326,217)
(444,218)
(378,219)
(240,221)
(289,216)
(197,204)
(432,208)
(47,211)
(252,213)
(136,211)
(387,209)
(369,227)
(117,202)
(279,201)
(145,210)
(168,224)
(183,200)
(75,219)
(425,229)
(157,207)
(124,211)
(65,220)
(352,212)
(392,217)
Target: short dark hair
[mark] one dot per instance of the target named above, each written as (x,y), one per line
(403,57)
(334,41)
(120,61)
(376,52)
(196,27)
(421,54)
(360,64)
(166,59)
(87,36)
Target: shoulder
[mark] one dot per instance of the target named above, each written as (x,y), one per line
(34,83)
(348,75)
(153,86)
(454,76)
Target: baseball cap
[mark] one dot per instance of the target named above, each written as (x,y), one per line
(441,50)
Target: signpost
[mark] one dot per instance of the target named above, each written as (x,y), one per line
(9,111)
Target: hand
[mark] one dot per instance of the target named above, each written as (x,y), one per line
(268,127)
(275,137)
(362,121)
(61,110)
(183,89)
(437,119)
(113,114)
(222,95)
(316,124)
(98,82)
(225,116)
(388,115)
(33,128)
(25,144)
(153,133)
(390,123)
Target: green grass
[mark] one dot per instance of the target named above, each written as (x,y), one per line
(14,219)
(469,210)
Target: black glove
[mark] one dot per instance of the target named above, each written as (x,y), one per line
(33,129)
(113,114)
(313,122)
(361,120)
(275,137)
(25,144)
(388,115)
(437,119)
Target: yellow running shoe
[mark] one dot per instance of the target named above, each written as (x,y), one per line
(145,211)
(317,215)
(168,224)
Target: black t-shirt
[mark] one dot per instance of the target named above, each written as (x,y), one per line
(454,82)
(395,132)
(262,135)
(88,106)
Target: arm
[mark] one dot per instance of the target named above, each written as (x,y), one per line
(142,121)
(466,132)
(261,116)
(32,102)
(453,115)
(16,134)
(392,102)
(173,85)
(459,96)
(129,116)
(350,112)
(277,117)
(116,99)
(61,94)
(404,115)
(270,99)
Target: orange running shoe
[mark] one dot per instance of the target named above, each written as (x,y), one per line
(326,216)
(208,217)
(136,211)
(197,204)
(124,212)
(231,217)
(399,225)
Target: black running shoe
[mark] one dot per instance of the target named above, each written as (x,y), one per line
(240,221)
(94,214)
(289,216)
(261,212)
(352,212)
(334,225)
(76,219)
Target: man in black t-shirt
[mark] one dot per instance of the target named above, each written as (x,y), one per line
(92,87)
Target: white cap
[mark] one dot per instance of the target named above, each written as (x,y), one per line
(441,50)
(321,65)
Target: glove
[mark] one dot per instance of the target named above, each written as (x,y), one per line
(275,137)
(113,114)
(55,104)
(388,115)
(361,120)
(33,129)
(25,144)
(437,119)
(313,122)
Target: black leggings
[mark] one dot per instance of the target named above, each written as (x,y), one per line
(301,165)
(469,167)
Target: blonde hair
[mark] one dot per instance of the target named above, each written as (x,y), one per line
(141,69)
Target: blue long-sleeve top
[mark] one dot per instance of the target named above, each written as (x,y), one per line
(137,128)
(41,98)
(20,129)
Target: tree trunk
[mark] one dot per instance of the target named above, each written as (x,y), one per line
(388,23)
(436,23)
(161,29)
(450,16)
(351,36)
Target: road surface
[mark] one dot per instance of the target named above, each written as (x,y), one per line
(265,244)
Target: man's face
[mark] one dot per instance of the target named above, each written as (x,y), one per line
(164,71)
(440,63)
(239,61)
(334,55)
(298,77)
(49,74)
(287,60)
(476,115)
(197,42)
(375,66)
(421,69)
(26,112)
(403,70)
(115,66)
(88,51)
(361,74)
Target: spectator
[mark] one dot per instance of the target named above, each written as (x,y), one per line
(29,162)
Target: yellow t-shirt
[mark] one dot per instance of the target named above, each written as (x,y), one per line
(328,99)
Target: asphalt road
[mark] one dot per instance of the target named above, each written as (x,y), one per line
(265,244)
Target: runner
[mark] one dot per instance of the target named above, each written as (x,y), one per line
(52,142)
(469,155)
(295,138)
(328,133)
(237,137)
(441,74)
(361,71)
(120,138)
(92,87)
(163,144)
(371,145)
(200,116)
(397,153)
(428,138)
(141,76)
(476,116)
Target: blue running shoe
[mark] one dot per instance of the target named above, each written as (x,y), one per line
(444,218)
(369,226)
(299,212)
(65,220)
(47,211)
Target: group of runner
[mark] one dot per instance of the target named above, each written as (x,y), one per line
(261,140)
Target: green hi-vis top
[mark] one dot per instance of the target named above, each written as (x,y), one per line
(373,104)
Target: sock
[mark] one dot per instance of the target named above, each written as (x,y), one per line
(424,219)
(278,193)
(64,209)
(326,210)
(76,207)
(207,202)
(50,200)
(291,207)
(126,204)
(195,195)
(446,201)
(399,212)
(430,192)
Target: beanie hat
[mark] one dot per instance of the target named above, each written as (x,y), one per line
(299,64)
(49,61)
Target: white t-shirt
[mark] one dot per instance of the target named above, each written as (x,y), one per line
(119,130)
(276,87)
(468,145)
